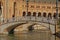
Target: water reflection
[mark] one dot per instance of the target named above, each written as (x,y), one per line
(29,36)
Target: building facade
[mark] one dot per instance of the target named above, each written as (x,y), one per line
(37,8)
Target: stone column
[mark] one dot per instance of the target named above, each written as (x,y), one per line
(6,10)
(1,16)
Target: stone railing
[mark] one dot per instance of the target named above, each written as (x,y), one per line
(29,18)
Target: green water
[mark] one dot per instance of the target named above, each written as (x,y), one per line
(29,36)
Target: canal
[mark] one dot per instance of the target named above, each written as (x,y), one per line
(34,35)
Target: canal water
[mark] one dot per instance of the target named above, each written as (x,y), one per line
(34,35)
(29,36)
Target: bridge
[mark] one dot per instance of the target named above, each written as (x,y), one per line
(8,25)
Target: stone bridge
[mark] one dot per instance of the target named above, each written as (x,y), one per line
(9,25)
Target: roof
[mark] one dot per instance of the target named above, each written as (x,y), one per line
(53,1)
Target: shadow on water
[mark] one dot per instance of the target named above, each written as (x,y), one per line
(12,30)
(31,35)
(57,34)
(30,28)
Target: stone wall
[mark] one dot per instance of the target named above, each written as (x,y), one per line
(20,6)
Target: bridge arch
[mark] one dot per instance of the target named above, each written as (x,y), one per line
(10,29)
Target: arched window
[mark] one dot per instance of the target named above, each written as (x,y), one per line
(39,14)
(0,9)
(44,14)
(29,14)
(54,15)
(59,14)
(24,13)
(14,7)
(34,13)
(0,5)
(49,15)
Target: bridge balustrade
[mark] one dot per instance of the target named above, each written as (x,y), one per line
(29,18)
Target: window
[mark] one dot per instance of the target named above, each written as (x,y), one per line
(24,13)
(59,14)
(0,9)
(49,14)
(23,0)
(43,6)
(29,14)
(54,15)
(53,7)
(34,13)
(44,14)
(37,6)
(39,14)
(14,7)
(22,5)
(26,5)
(32,6)
(0,5)
(48,7)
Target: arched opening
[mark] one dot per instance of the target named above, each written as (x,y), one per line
(39,14)
(13,16)
(14,9)
(24,13)
(49,15)
(11,28)
(44,14)
(29,14)
(0,9)
(59,14)
(0,5)
(34,13)
(54,15)
(1,12)
(31,28)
